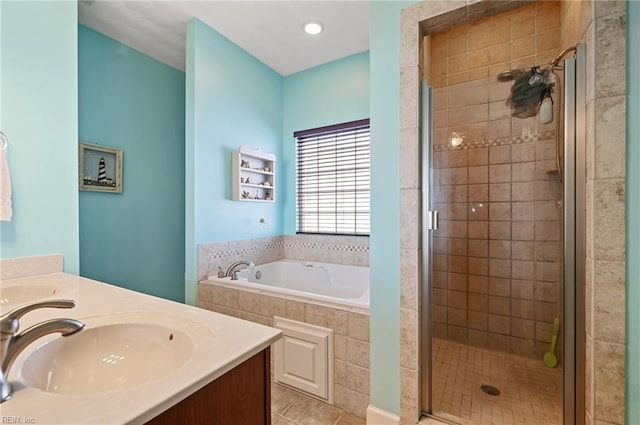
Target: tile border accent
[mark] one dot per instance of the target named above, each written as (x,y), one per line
(501,141)
(232,252)
(335,249)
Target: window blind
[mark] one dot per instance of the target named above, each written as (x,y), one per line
(333,179)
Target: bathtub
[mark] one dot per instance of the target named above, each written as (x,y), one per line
(335,283)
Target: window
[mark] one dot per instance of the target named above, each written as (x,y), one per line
(333,179)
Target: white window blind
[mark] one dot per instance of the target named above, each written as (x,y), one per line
(333,179)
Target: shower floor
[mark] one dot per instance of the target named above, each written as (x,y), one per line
(530,393)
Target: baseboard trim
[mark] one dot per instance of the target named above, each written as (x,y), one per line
(377,416)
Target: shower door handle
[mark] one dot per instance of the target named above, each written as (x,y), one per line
(433,220)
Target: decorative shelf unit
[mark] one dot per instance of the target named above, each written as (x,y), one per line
(254,176)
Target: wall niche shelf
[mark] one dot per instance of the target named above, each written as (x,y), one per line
(254,177)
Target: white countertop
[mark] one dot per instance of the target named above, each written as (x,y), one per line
(220,344)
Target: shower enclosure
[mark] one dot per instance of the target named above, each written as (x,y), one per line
(500,254)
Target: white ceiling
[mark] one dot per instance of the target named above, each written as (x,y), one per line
(269,30)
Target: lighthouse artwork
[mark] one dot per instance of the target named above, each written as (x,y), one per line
(100,168)
(102,172)
(102,179)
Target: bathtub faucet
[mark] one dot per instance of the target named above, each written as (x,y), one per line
(233,273)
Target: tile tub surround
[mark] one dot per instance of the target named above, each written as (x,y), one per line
(350,326)
(601,26)
(348,250)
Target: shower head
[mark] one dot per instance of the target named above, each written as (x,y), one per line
(508,75)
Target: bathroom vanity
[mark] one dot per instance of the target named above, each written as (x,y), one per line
(139,359)
(240,396)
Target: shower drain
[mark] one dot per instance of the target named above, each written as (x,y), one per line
(488,389)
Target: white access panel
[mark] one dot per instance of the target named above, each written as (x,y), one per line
(303,357)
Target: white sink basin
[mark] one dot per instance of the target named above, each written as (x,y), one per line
(106,358)
(30,291)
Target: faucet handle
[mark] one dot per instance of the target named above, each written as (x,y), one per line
(9,321)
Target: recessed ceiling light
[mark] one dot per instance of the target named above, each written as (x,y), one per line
(313,27)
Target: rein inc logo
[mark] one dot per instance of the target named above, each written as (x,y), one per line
(17,420)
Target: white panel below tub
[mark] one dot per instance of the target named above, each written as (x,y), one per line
(303,358)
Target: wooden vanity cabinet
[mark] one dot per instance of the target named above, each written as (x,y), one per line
(239,397)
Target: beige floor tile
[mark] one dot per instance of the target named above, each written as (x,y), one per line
(349,419)
(431,421)
(529,392)
(281,420)
(308,411)
(281,398)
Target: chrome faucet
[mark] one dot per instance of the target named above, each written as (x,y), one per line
(232,272)
(11,345)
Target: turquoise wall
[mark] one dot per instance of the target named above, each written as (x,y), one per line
(385,204)
(331,93)
(132,102)
(633,212)
(39,115)
(232,99)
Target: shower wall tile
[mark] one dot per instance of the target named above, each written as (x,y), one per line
(478,284)
(522,289)
(500,173)
(488,46)
(610,56)
(606,57)
(589,389)
(408,338)
(522,308)
(408,218)
(611,7)
(609,320)
(409,88)
(610,137)
(523,172)
(609,382)
(609,220)
(409,158)
(409,293)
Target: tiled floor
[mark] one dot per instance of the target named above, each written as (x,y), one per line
(530,393)
(289,407)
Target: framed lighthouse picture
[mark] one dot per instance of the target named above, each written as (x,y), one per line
(100,168)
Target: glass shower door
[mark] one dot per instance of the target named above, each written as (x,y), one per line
(429,220)
(492,257)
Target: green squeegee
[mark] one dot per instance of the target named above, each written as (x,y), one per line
(550,359)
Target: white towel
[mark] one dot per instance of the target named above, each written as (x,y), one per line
(5,187)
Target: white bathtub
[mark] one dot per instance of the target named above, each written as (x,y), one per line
(347,285)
